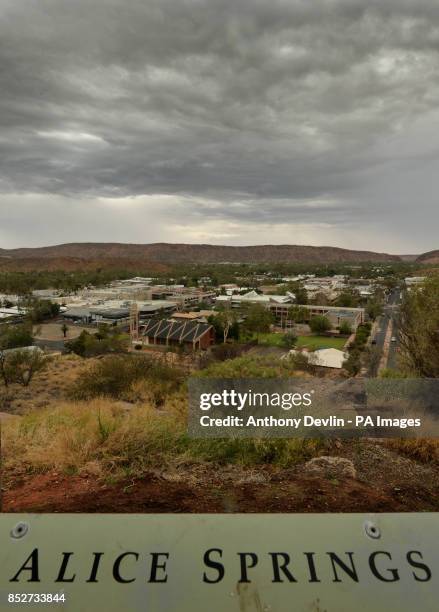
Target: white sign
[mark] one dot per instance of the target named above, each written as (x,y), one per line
(220,563)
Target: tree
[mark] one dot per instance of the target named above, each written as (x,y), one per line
(258,319)
(347,299)
(225,324)
(320,299)
(20,366)
(42,309)
(15,336)
(64,329)
(418,328)
(374,309)
(361,336)
(300,293)
(3,370)
(353,363)
(345,329)
(289,340)
(298,314)
(235,330)
(89,345)
(319,324)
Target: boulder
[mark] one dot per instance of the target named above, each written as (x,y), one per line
(330,467)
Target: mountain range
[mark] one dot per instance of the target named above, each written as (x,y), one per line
(91,255)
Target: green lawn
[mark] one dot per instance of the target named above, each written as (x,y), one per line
(312,342)
(318,342)
(270,339)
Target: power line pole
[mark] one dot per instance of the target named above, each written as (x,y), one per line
(134,322)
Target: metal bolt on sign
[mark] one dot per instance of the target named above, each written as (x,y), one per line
(19,531)
(372,530)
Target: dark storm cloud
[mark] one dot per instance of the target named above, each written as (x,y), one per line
(249,111)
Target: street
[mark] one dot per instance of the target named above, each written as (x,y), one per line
(387,329)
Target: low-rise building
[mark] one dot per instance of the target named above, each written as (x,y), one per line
(193,335)
(413,281)
(114,312)
(323,358)
(14,313)
(183,296)
(252,297)
(335,314)
(202,316)
(280,306)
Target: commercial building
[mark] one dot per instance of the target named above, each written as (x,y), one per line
(193,335)
(280,305)
(252,297)
(114,312)
(335,314)
(181,295)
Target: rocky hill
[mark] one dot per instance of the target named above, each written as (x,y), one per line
(432,257)
(165,253)
(72,264)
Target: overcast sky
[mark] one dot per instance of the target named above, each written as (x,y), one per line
(220,121)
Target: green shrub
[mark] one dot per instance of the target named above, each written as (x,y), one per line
(15,336)
(345,329)
(114,375)
(319,324)
(244,367)
(100,343)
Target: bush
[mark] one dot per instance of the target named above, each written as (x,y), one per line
(20,366)
(221,352)
(390,373)
(114,376)
(319,324)
(345,329)
(363,332)
(300,362)
(424,450)
(101,343)
(353,363)
(246,367)
(43,309)
(15,336)
(289,340)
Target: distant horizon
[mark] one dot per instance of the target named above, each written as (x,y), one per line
(211,244)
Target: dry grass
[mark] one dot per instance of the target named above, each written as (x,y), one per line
(104,437)
(47,388)
(143,430)
(423,450)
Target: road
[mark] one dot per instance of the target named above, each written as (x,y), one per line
(389,317)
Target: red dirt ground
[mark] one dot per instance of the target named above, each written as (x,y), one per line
(52,492)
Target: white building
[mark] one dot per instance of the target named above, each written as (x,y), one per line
(324,358)
(412,281)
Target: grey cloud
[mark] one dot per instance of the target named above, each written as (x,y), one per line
(265,107)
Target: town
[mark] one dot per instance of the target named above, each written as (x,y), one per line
(326,319)
(94,367)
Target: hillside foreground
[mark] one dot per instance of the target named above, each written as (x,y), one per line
(132,454)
